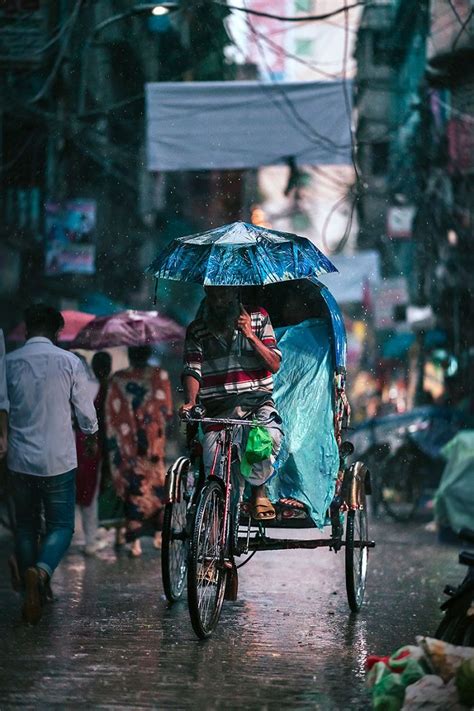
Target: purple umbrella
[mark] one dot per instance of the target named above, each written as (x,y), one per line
(128,328)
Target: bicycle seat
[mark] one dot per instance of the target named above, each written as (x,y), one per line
(466,558)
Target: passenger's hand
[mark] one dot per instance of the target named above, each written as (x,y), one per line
(244,323)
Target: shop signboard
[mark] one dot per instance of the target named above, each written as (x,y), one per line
(389,293)
(70,237)
(400,221)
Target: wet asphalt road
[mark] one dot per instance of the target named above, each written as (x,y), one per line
(110,641)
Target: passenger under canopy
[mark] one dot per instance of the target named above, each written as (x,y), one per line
(311,335)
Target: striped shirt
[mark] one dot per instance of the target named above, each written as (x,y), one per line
(225,369)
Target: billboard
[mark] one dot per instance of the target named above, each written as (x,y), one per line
(70,237)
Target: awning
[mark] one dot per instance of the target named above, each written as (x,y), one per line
(246,124)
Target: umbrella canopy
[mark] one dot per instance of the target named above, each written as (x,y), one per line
(74,321)
(128,328)
(240,254)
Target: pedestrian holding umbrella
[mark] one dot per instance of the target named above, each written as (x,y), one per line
(128,328)
(137,407)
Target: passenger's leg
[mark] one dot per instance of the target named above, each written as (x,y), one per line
(261,506)
(209,447)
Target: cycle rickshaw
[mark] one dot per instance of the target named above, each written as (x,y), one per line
(206,525)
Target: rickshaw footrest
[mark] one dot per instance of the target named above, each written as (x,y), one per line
(275,544)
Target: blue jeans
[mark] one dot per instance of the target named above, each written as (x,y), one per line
(56,496)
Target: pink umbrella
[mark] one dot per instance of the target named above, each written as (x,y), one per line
(73,322)
(128,328)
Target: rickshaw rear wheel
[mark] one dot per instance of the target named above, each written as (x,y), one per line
(207,573)
(357,530)
(174,546)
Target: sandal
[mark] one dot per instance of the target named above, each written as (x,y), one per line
(262,510)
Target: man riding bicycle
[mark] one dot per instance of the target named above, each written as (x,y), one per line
(230,358)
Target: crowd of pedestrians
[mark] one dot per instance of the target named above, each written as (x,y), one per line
(72,448)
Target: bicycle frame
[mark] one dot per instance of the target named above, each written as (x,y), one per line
(223,453)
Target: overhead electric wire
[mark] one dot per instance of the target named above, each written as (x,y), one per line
(454,9)
(60,56)
(278,47)
(301,122)
(354,189)
(463,29)
(304,18)
(323,139)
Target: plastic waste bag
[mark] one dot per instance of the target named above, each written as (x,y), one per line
(432,694)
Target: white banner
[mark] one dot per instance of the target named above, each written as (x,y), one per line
(246,124)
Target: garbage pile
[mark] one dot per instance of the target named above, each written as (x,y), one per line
(431,675)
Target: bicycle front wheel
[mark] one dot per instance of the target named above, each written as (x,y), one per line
(206,570)
(357,556)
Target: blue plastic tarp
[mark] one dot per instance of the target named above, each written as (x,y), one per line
(308,463)
(339,336)
(454,503)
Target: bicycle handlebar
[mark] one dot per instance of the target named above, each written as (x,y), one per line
(194,415)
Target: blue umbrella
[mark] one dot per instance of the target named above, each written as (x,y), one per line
(240,254)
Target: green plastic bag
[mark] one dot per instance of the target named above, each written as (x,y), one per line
(388,694)
(259,447)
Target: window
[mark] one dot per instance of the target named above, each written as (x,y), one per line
(379,161)
(304,47)
(380,48)
(303,5)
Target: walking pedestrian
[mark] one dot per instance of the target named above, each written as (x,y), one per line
(4,409)
(91,464)
(44,384)
(138,406)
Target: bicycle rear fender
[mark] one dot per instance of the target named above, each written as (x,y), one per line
(173,478)
(353,488)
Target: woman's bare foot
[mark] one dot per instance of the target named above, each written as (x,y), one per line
(136,548)
(293,503)
(157,540)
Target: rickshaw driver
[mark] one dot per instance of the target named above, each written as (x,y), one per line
(230,357)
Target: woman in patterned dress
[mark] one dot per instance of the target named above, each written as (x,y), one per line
(138,406)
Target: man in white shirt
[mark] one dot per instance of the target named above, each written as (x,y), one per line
(46,386)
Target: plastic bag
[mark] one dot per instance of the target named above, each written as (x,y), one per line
(444,658)
(259,447)
(431,694)
(388,693)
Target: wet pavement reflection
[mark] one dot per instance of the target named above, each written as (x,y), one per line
(110,640)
